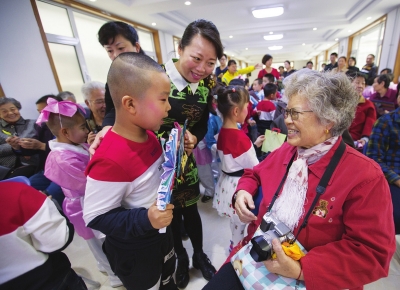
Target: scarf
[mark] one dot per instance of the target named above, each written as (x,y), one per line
(289,206)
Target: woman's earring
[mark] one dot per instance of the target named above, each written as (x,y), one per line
(326,131)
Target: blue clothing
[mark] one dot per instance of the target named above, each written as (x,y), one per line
(41,182)
(213,128)
(384,147)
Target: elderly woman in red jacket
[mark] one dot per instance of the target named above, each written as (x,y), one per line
(350,234)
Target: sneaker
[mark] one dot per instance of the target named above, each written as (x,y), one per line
(206,198)
(203,263)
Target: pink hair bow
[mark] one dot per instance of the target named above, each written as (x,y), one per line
(65,108)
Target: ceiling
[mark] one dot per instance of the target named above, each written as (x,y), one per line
(333,19)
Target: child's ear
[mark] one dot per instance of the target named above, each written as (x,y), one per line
(236,111)
(129,104)
(64,132)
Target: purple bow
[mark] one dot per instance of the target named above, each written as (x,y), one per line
(65,108)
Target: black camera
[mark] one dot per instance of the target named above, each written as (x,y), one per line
(272,229)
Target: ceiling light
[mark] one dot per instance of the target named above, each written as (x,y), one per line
(275,47)
(349,30)
(247,48)
(92,0)
(273,37)
(188,3)
(336,39)
(368,18)
(267,12)
(315,28)
(303,44)
(271,32)
(230,36)
(154,24)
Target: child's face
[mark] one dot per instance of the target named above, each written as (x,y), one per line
(256,86)
(273,96)
(154,106)
(265,81)
(79,132)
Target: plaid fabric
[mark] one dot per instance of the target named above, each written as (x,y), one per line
(383,145)
(254,276)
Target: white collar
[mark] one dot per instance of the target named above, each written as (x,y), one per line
(58,146)
(175,77)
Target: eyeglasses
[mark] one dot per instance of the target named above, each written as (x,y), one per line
(293,113)
(99,102)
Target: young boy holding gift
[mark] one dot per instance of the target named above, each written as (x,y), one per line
(124,174)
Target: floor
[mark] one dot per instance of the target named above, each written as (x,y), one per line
(216,240)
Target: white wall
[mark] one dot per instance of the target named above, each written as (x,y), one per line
(343,46)
(167,46)
(391,40)
(25,72)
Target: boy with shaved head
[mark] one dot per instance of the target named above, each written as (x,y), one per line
(124,174)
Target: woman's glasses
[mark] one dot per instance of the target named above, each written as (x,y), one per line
(293,113)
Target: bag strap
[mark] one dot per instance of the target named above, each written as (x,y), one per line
(324,182)
(321,185)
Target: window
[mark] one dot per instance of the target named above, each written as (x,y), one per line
(177,41)
(368,41)
(72,39)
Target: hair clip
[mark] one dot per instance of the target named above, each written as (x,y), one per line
(215,97)
(233,90)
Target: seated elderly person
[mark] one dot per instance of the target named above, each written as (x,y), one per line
(349,233)
(93,93)
(12,128)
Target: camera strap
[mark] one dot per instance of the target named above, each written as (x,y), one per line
(321,186)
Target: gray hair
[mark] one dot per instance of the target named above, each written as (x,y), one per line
(4,101)
(65,95)
(88,87)
(331,96)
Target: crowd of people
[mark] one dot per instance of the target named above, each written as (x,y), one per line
(106,193)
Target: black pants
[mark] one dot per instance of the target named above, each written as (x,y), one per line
(193,227)
(142,268)
(225,279)
(395,192)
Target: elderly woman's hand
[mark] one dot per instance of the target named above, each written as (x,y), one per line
(13,142)
(190,142)
(97,140)
(283,265)
(30,143)
(244,202)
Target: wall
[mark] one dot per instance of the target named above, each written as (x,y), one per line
(167,46)
(25,72)
(391,40)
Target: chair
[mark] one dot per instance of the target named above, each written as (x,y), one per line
(22,179)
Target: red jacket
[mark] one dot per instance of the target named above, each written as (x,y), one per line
(354,243)
(364,120)
(274,71)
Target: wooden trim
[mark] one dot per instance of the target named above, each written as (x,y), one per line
(46,44)
(396,71)
(326,57)
(349,48)
(114,17)
(376,22)
(2,94)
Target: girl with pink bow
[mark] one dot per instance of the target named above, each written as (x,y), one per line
(66,164)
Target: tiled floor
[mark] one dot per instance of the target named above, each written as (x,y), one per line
(216,240)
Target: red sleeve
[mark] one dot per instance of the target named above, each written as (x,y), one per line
(370,118)
(363,253)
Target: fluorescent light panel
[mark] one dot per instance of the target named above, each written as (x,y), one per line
(267,12)
(273,36)
(275,47)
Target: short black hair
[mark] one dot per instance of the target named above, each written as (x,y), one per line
(270,77)
(334,53)
(44,99)
(355,74)
(113,28)
(310,62)
(266,58)
(205,29)
(270,89)
(373,56)
(385,79)
(129,75)
(224,55)
(345,58)
(388,70)
(259,81)
(281,66)
(237,82)
(353,58)
(231,61)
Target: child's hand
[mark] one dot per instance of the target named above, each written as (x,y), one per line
(190,142)
(160,219)
(13,142)
(259,141)
(98,138)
